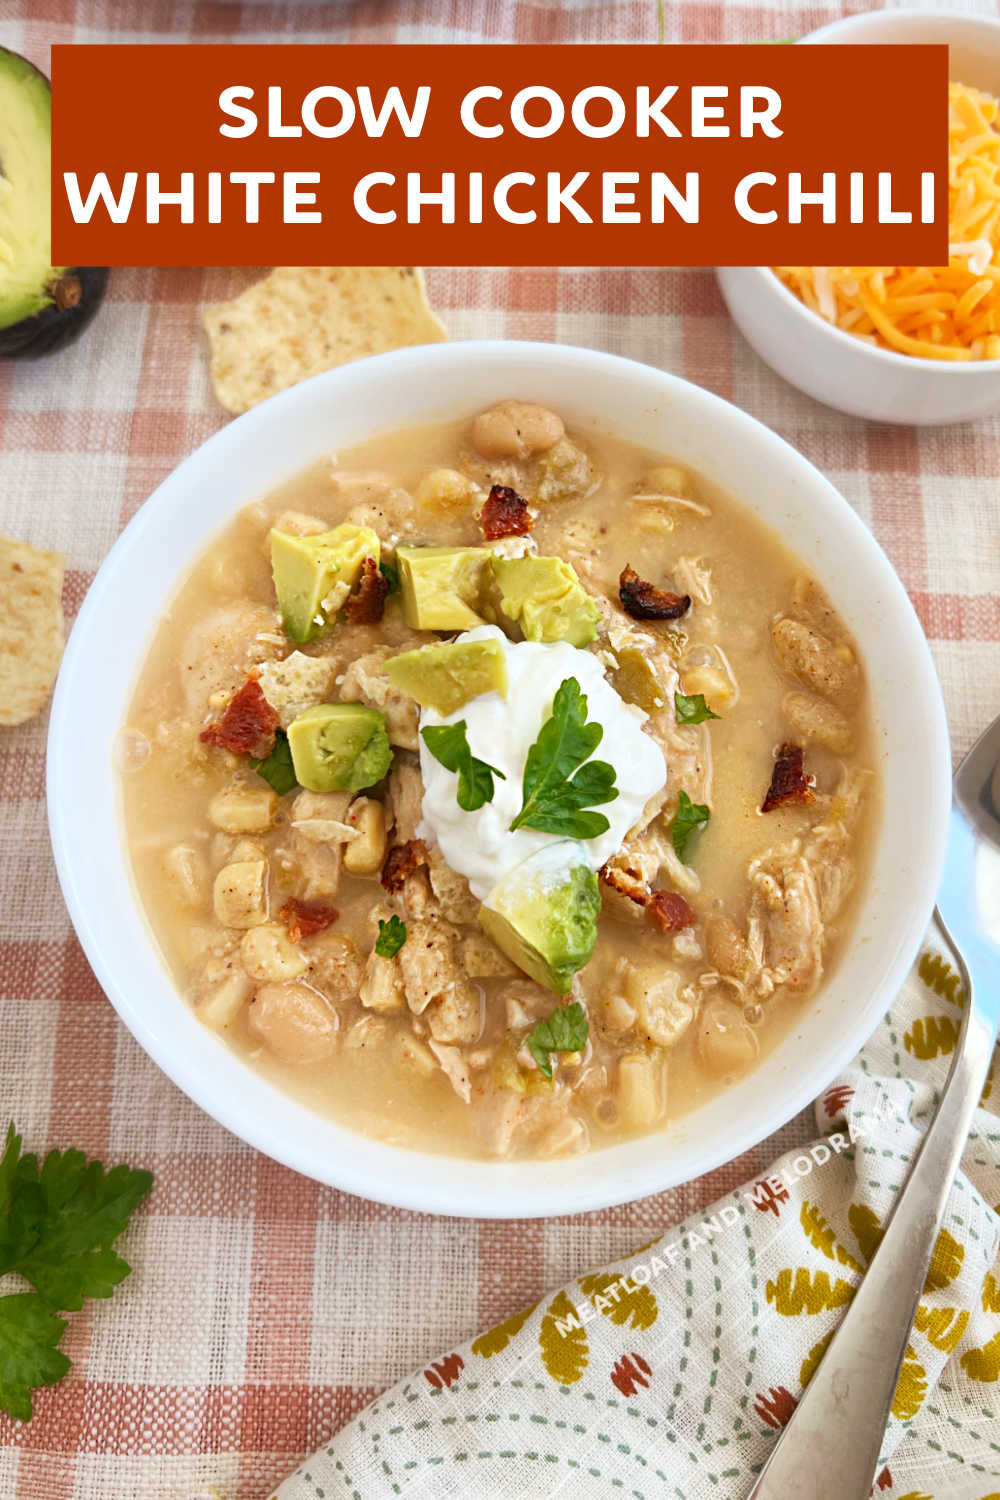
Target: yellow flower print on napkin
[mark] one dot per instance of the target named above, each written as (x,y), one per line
(802,1291)
(563,1342)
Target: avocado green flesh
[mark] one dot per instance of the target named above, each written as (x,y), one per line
(448,676)
(442,587)
(543,915)
(306,568)
(26,271)
(339,747)
(545,597)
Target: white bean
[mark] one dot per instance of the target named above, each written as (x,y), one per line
(516,429)
(830,670)
(294,1022)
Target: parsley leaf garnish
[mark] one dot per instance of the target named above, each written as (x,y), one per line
(277,769)
(448,745)
(391,937)
(565,1030)
(693,710)
(557,785)
(58,1221)
(391,574)
(690,815)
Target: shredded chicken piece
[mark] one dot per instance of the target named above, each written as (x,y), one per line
(785,925)
(454,1067)
(694,578)
(365,681)
(382,984)
(406,795)
(451,890)
(295,684)
(435,981)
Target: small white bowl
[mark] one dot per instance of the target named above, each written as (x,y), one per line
(596,392)
(824,361)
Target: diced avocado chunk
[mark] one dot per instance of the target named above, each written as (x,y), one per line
(442,587)
(545,597)
(339,747)
(309,570)
(448,675)
(543,914)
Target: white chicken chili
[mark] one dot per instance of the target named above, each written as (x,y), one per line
(505,790)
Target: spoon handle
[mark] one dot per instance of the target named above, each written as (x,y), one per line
(830,1447)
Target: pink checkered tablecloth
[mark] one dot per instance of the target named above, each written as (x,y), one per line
(264,1310)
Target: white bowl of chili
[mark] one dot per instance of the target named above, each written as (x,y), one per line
(598,393)
(823,359)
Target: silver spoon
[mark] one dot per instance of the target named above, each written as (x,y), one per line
(830,1448)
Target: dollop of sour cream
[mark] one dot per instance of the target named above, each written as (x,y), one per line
(501,731)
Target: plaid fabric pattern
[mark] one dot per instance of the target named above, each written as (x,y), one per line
(265,1311)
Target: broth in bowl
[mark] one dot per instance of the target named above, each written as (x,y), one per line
(498,791)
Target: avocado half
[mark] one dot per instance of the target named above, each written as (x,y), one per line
(42,307)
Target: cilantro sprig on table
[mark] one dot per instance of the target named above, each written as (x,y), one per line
(58,1221)
(449,745)
(565,1030)
(560,780)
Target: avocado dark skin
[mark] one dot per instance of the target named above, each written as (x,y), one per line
(76,296)
(42,307)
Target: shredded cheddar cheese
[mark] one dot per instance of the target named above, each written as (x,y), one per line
(933,312)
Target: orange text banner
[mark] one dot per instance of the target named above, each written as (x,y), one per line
(560,155)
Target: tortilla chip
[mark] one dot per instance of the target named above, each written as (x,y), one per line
(301,320)
(31,628)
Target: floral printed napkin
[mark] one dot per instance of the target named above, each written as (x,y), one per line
(669,1373)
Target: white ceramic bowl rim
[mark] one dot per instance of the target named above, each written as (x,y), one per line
(828,35)
(97,679)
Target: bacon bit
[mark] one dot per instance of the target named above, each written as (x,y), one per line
(366,604)
(644,601)
(626,882)
(400,862)
(789,782)
(248,725)
(505,513)
(303,918)
(669,911)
